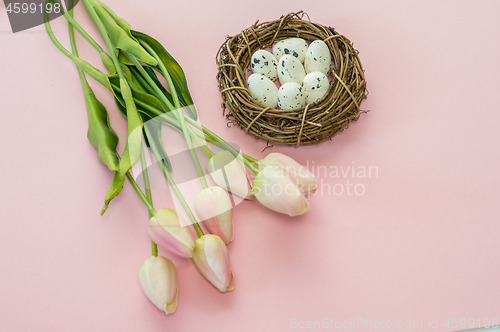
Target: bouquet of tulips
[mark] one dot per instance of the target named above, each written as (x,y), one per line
(134,60)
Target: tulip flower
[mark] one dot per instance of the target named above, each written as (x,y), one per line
(213,206)
(229,172)
(158,280)
(274,189)
(306,181)
(211,257)
(167,230)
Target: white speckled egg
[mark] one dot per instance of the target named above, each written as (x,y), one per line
(263,90)
(315,86)
(263,62)
(290,70)
(318,58)
(292,46)
(291,96)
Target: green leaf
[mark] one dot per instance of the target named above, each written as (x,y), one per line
(121,40)
(154,137)
(155,79)
(173,68)
(143,100)
(100,133)
(132,150)
(120,21)
(108,62)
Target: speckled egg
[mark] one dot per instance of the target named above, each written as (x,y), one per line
(291,96)
(290,70)
(263,62)
(318,58)
(291,46)
(315,86)
(263,90)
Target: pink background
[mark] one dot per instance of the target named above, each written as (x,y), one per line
(420,244)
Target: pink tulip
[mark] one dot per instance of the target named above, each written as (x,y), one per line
(211,257)
(230,173)
(167,230)
(274,189)
(213,206)
(158,280)
(306,181)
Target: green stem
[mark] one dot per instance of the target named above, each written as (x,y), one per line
(176,108)
(152,84)
(217,141)
(145,175)
(250,159)
(82,64)
(227,146)
(53,37)
(200,143)
(165,73)
(147,188)
(102,30)
(172,184)
(71,32)
(154,249)
(71,21)
(140,194)
(145,84)
(146,199)
(182,200)
(180,115)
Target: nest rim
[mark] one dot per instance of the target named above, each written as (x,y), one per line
(311,124)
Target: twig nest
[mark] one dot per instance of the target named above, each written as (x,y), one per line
(322,116)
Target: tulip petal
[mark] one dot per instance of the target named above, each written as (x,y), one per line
(158,280)
(211,257)
(213,206)
(164,282)
(230,173)
(306,181)
(165,229)
(145,281)
(274,189)
(231,285)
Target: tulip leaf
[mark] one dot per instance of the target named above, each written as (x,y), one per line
(121,40)
(153,135)
(123,59)
(155,79)
(100,133)
(132,150)
(173,68)
(122,23)
(144,101)
(108,62)
(153,138)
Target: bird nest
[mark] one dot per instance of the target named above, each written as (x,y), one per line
(308,125)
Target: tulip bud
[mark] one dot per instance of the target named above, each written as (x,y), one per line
(306,181)
(167,230)
(158,280)
(213,207)
(277,191)
(211,257)
(229,172)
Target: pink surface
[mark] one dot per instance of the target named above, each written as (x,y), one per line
(420,243)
